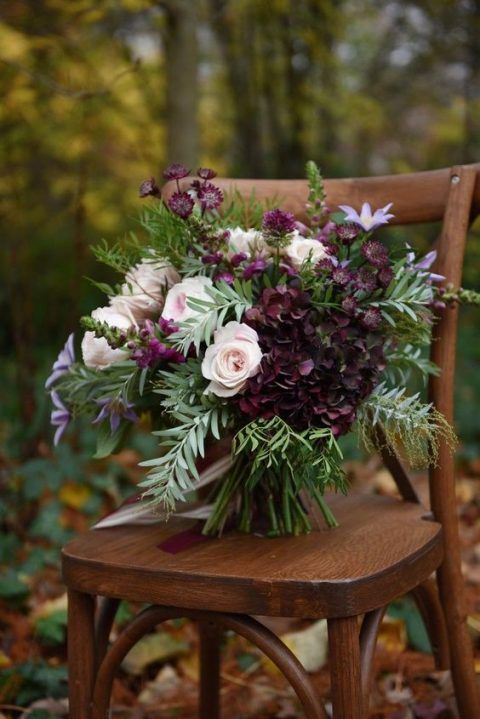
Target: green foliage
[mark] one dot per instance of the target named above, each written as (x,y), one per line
(12,587)
(37,680)
(228,302)
(51,630)
(167,234)
(174,473)
(407,423)
(407,362)
(408,294)
(238,211)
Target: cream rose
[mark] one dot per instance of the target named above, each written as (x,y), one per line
(176,308)
(234,356)
(143,292)
(247,241)
(96,351)
(303,248)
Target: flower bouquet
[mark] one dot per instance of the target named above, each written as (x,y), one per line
(247,324)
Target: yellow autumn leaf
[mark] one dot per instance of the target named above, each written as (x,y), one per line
(74,495)
(393,635)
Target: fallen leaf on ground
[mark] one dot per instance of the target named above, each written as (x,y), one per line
(165,683)
(158,647)
(310,646)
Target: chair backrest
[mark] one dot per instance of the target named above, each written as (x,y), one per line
(451,195)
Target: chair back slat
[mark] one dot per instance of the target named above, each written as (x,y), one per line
(451,250)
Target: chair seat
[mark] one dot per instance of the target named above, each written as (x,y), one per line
(382,549)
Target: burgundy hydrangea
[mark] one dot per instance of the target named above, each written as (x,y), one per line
(316,368)
(278,222)
(181,203)
(176,172)
(210,196)
(375,253)
(149,188)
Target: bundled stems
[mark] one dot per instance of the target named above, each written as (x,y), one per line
(273,506)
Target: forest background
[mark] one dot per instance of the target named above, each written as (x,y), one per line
(97,95)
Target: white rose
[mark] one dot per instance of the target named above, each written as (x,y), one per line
(302,248)
(234,356)
(176,308)
(96,351)
(143,292)
(247,241)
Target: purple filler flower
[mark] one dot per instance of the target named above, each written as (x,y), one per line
(181,203)
(149,188)
(65,358)
(278,222)
(59,418)
(254,268)
(366,219)
(176,172)
(210,196)
(114,409)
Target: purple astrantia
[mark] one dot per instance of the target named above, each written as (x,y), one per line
(176,172)
(366,219)
(61,365)
(114,409)
(425,264)
(209,196)
(149,188)
(60,417)
(206,173)
(181,203)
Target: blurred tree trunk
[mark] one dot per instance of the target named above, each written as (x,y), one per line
(471,147)
(181,61)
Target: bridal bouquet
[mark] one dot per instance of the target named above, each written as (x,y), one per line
(248,325)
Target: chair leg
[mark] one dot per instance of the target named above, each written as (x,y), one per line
(428,603)
(467,691)
(345,674)
(81,653)
(210,637)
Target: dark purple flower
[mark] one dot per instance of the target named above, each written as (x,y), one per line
(254,268)
(326,231)
(278,222)
(176,172)
(224,277)
(212,259)
(326,264)
(61,365)
(149,187)
(238,258)
(385,276)
(155,351)
(167,326)
(364,280)
(317,366)
(60,417)
(375,253)
(341,276)
(349,305)
(181,204)
(210,196)
(206,173)
(114,409)
(347,233)
(371,319)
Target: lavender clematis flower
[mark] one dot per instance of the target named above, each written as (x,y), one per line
(425,264)
(114,409)
(65,358)
(366,219)
(59,418)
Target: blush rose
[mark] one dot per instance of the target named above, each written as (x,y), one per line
(234,356)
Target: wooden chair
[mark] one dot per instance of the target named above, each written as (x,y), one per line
(383,548)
